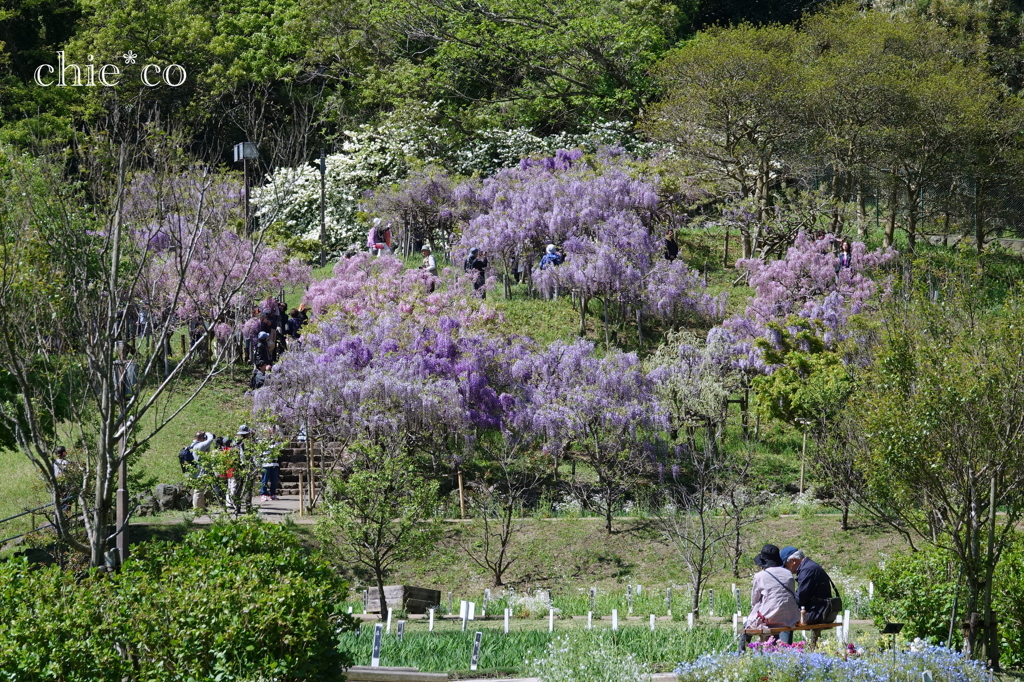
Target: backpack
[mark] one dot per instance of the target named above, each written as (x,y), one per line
(258,379)
(186,456)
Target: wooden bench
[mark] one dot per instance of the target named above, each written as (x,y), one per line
(365,673)
(775,632)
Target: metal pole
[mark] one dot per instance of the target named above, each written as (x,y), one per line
(323,214)
(803,458)
(245,174)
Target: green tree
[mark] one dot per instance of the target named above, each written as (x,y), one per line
(380,514)
(939,433)
(732,103)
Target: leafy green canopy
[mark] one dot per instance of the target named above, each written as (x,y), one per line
(237,601)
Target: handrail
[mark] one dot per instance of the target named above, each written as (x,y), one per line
(30,511)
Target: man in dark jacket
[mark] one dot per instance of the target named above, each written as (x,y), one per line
(814,587)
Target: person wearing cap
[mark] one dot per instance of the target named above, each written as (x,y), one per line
(814,587)
(772,599)
(551,257)
(429,263)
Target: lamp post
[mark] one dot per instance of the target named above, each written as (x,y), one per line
(243,152)
(803,452)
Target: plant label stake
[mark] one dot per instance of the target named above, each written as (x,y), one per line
(487,598)
(366,599)
(401,630)
(871,590)
(652,622)
(736,596)
(464,613)
(735,625)
(430,626)
(390,611)
(507,611)
(639,590)
(590,620)
(711,602)
(476,650)
(689,620)
(926,676)
(593,597)
(615,620)
(668,601)
(846,626)
(350,609)
(378,630)
(629,599)
(551,620)
(472,610)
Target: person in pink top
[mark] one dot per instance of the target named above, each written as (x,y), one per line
(772,599)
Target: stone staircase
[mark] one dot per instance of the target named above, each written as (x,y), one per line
(295,459)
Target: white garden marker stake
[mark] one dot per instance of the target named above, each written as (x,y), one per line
(735,625)
(736,596)
(350,609)
(375,656)
(390,611)
(590,620)
(551,620)
(593,597)
(689,620)
(652,622)
(615,620)
(926,676)
(846,626)
(629,599)
(639,589)
(476,651)
(668,602)
(507,611)
(711,602)
(430,625)
(487,598)
(464,613)
(871,590)
(472,610)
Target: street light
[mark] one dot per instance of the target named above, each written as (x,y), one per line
(243,152)
(803,451)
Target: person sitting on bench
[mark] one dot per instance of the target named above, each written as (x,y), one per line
(814,588)
(772,599)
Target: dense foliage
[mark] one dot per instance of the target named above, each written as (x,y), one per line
(235,601)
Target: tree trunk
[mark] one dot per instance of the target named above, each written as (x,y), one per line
(890,225)
(379,574)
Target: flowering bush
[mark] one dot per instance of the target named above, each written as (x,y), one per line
(789,664)
(594,659)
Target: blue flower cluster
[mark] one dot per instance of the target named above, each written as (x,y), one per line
(944,664)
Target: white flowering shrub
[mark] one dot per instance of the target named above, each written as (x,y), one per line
(497,148)
(531,605)
(592,658)
(371,156)
(377,156)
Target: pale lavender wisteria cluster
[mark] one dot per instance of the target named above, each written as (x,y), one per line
(389,359)
(602,218)
(807,282)
(197,267)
